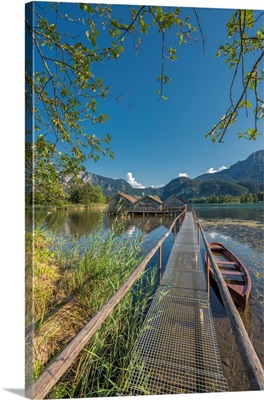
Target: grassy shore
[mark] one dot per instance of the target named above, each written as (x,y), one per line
(66,285)
(92,206)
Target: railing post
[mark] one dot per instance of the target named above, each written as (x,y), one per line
(174,232)
(207,275)
(160,263)
(194,221)
(198,229)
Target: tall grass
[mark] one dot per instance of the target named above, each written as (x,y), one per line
(102,368)
(71,282)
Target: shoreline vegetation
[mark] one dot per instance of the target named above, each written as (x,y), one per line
(54,207)
(230,222)
(104,206)
(81,194)
(70,282)
(229,199)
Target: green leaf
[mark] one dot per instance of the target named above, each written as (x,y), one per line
(244,103)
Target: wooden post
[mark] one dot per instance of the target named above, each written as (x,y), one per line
(194,221)
(174,232)
(198,228)
(160,263)
(207,275)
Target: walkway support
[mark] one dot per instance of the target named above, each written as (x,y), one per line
(249,357)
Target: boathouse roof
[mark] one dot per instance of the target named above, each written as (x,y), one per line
(126,196)
(153,198)
(177,197)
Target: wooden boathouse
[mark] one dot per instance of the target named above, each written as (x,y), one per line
(177,350)
(173,202)
(128,205)
(147,204)
(121,202)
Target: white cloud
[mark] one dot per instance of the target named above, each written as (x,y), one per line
(131,180)
(183,174)
(222,168)
(157,186)
(213,171)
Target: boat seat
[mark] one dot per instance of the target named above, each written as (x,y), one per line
(234,273)
(226,262)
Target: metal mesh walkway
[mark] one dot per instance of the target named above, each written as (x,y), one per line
(177,351)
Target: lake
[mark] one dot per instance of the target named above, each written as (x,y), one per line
(239,227)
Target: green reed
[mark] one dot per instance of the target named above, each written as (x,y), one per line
(103,367)
(71,282)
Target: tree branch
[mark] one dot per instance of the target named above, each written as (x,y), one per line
(242,95)
(132,23)
(200,28)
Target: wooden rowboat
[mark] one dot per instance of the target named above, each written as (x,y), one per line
(234,273)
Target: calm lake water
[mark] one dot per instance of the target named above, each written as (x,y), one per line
(238,227)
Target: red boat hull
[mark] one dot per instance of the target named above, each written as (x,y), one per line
(234,273)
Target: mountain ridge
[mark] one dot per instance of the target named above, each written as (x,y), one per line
(243,177)
(250,167)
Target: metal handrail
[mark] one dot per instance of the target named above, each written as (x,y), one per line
(50,376)
(249,357)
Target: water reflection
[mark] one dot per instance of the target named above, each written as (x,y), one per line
(215,236)
(234,211)
(82,222)
(144,224)
(69,222)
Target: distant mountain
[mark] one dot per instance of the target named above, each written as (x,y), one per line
(187,189)
(241,178)
(196,189)
(250,170)
(111,186)
(174,186)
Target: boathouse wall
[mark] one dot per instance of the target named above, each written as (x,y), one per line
(121,202)
(148,203)
(173,202)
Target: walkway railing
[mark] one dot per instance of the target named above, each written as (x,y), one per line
(45,382)
(249,357)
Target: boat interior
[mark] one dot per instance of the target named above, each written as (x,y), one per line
(229,269)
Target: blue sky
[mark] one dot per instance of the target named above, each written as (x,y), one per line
(156,141)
